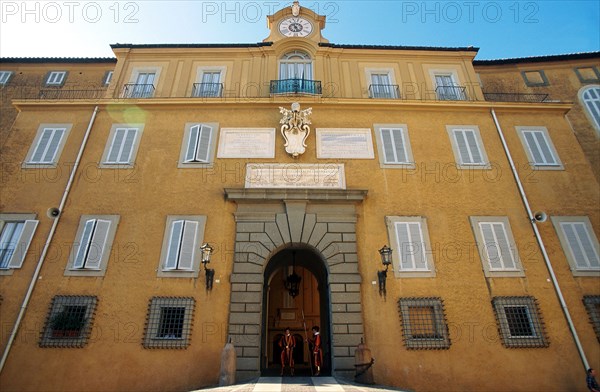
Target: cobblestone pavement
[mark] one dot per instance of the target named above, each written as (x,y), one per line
(299,384)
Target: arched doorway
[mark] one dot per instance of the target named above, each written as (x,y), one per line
(309,308)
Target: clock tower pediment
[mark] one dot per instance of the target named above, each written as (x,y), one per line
(295,22)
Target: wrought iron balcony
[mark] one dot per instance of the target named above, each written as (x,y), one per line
(207,90)
(451,93)
(132,90)
(295,86)
(71,94)
(389,91)
(515,97)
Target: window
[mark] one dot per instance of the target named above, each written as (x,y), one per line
(169,322)
(588,74)
(393,146)
(142,83)
(69,321)
(47,145)
(496,246)
(519,322)
(122,146)
(5,77)
(91,249)
(423,323)
(107,78)
(467,146)
(381,86)
(412,254)
(447,89)
(295,65)
(590,100)
(592,305)
(180,256)
(579,243)
(535,78)
(56,78)
(198,146)
(16,232)
(210,86)
(539,148)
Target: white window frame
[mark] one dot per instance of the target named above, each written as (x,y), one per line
(201,70)
(458,156)
(98,249)
(522,130)
(453,74)
(559,225)
(424,248)
(56,78)
(187,133)
(591,106)
(163,269)
(485,248)
(5,77)
(136,71)
(114,130)
(19,251)
(403,129)
(28,163)
(369,72)
(289,58)
(108,77)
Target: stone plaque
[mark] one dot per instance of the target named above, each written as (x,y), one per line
(246,143)
(349,143)
(295,175)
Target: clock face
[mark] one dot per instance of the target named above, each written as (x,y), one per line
(295,27)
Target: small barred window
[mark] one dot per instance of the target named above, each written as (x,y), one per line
(169,322)
(424,323)
(592,304)
(519,322)
(69,321)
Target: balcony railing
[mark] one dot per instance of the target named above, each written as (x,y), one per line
(515,97)
(132,90)
(71,94)
(451,93)
(295,86)
(207,90)
(389,91)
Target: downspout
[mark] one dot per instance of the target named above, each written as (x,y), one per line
(42,258)
(538,237)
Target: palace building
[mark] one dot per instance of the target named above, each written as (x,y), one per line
(156,205)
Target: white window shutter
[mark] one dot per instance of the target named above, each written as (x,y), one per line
(468,148)
(122,145)
(581,245)
(204,143)
(47,147)
(188,245)
(539,148)
(125,156)
(115,147)
(97,244)
(190,154)
(388,146)
(394,146)
(491,246)
(22,244)
(83,247)
(403,234)
(174,246)
(418,246)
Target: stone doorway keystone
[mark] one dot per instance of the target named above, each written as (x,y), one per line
(273,221)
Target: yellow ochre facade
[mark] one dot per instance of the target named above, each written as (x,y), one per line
(116,173)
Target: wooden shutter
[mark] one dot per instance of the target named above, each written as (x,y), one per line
(199,144)
(83,248)
(174,245)
(539,148)
(188,245)
(122,145)
(497,246)
(411,246)
(582,247)
(97,244)
(468,147)
(47,146)
(23,244)
(394,146)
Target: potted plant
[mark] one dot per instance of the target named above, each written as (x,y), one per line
(66,324)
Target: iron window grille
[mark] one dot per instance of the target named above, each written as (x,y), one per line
(169,322)
(424,323)
(519,322)
(592,304)
(69,321)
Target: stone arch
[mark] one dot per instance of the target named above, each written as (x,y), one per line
(269,221)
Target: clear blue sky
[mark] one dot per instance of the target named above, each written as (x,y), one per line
(499,28)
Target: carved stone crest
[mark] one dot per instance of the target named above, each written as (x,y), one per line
(295,128)
(296,8)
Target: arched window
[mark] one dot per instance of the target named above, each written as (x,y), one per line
(590,99)
(295,65)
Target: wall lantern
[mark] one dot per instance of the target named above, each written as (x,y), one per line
(386,260)
(210,273)
(292,282)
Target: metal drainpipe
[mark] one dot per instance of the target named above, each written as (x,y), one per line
(538,237)
(40,263)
